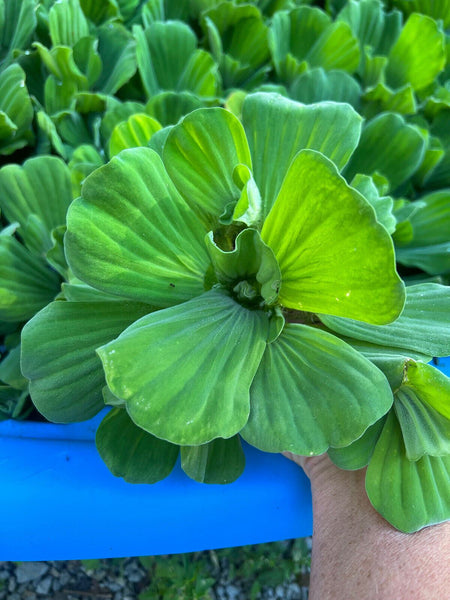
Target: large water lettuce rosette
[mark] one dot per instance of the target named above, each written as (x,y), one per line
(204,270)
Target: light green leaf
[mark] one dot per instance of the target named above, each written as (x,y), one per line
(250,261)
(60,62)
(408,494)
(424,324)
(26,282)
(135,131)
(200,155)
(40,187)
(418,55)
(437,10)
(357,454)
(277,128)
(88,59)
(55,255)
(10,372)
(308,383)
(388,146)
(164,10)
(117,50)
(124,233)
(334,257)
(59,95)
(316,85)
(115,113)
(47,130)
(383,99)
(132,453)
(174,362)
(15,104)
(430,385)
(383,205)
(67,23)
(59,359)
(220,461)
(169,107)
(84,160)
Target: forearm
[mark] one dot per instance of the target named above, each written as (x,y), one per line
(358,555)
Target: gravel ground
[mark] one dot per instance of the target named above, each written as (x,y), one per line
(120,579)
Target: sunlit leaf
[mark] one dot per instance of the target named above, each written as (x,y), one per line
(135,131)
(317,228)
(67,23)
(219,461)
(124,233)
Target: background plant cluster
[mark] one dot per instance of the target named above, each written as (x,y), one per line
(83,80)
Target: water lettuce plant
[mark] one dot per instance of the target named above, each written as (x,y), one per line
(243,235)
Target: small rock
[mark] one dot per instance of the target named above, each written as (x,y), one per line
(135,576)
(64,578)
(112,587)
(280,592)
(4,574)
(29,571)
(44,586)
(56,585)
(232,592)
(220,592)
(12,585)
(54,572)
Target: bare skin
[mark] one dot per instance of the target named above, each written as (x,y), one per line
(357,555)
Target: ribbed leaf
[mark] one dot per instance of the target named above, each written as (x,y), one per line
(169,107)
(132,453)
(336,48)
(84,160)
(40,187)
(437,10)
(15,104)
(429,248)
(134,132)
(174,363)
(383,205)
(424,324)
(200,155)
(18,22)
(357,455)
(390,147)
(220,461)
(418,56)
(59,359)
(117,50)
(316,85)
(307,385)
(67,23)
(132,234)
(60,62)
(408,494)
(26,281)
(98,12)
(277,128)
(333,255)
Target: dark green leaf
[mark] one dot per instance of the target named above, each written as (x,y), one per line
(219,461)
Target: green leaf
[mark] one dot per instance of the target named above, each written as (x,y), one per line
(124,233)
(174,362)
(425,431)
(390,147)
(437,10)
(418,55)
(429,248)
(17,25)
(306,386)
(316,85)
(15,104)
(55,255)
(430,384)
(48,130)
(115,113)
(220,461)
(98,12)
(169,107)
(26,282)
(424,324)
(41,186)
(164,10)
(59,359)
(117,51)
(277,128)
(87,58)
(200,155)
(135,131)
(251,261)
(168,59)
(357,454)
(60,62)
(67,23)
(334,257)
(383,205)
(383,99)
(58,95)
(84,160)
(10,370)
(408,494)
(132,453)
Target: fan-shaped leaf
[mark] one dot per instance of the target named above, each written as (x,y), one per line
(220,461)
(176,360)
(135,131)
(67,23)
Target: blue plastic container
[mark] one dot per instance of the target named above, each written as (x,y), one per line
(59,501)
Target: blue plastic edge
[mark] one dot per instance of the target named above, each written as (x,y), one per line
(60,502)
